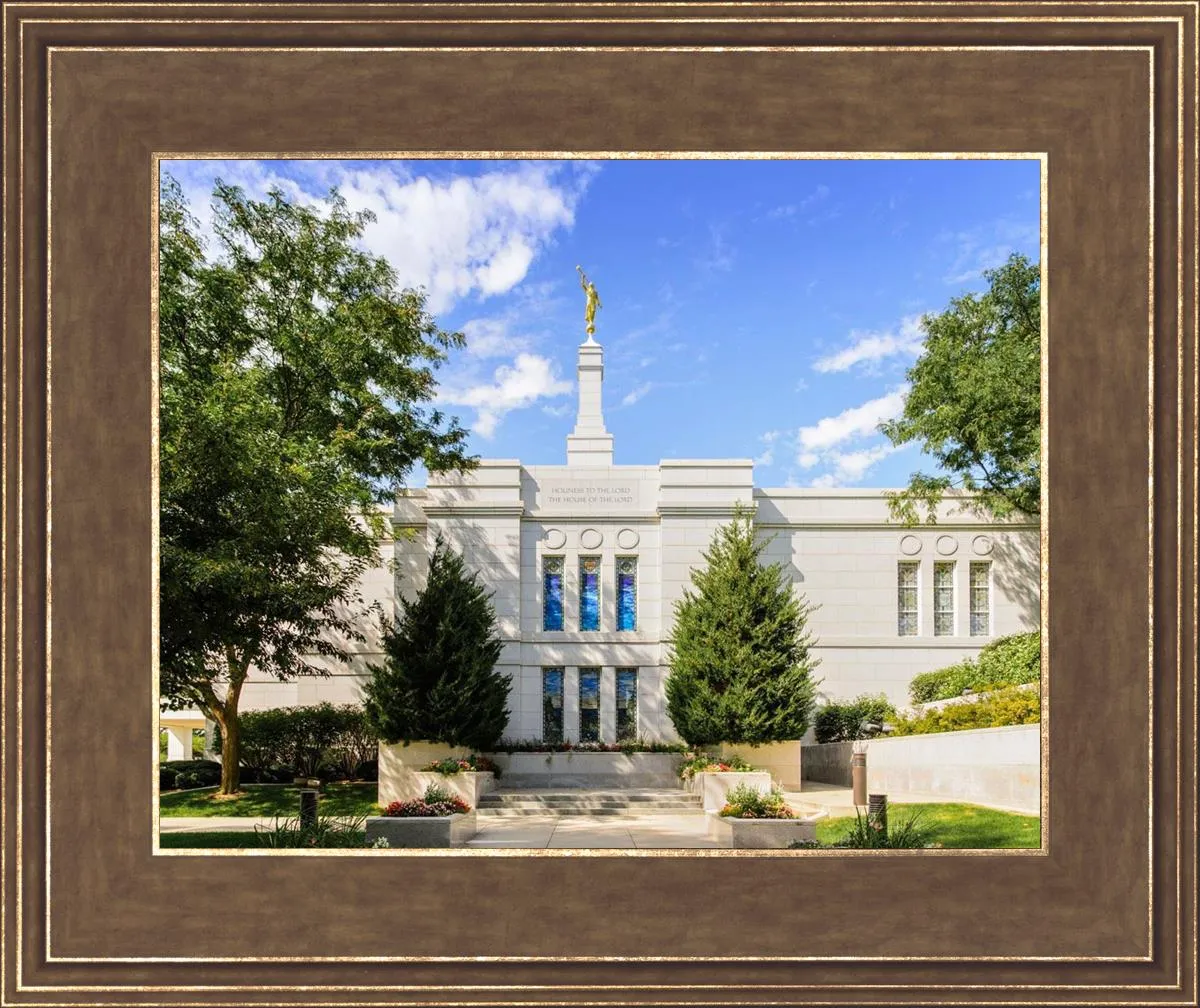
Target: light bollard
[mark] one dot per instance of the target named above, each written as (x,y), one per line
(858,775)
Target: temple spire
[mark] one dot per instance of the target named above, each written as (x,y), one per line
(589,444)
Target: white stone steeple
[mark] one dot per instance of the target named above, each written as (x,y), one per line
(589,444)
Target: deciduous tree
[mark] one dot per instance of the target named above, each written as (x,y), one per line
(975,400)
(296,388)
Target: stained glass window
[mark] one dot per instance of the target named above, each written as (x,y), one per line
(943,599)
(626,593)
(906,599)
(552,593)
(981,601)
(627,679)
(589,593)
(552,705)
(589,705)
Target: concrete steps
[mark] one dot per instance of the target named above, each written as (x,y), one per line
(581,802)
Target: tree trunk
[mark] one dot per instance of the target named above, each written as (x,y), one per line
(231,751)
(231,732)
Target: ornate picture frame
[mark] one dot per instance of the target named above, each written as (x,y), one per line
(1103,913)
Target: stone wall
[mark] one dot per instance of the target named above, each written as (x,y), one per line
(998,767)
(828,763)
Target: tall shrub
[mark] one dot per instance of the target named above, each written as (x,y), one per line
(1007,661)
(439,681)
(847,721)
(740,662)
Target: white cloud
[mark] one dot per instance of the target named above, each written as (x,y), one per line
(851,467)
(462,235)
(719,256)
(768,454)
(454,236)
(855,422)
(492,337)
(988,246)
(513,386)
(871,347)
(791,209)
(638,393)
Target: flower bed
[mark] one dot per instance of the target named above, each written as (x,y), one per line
(629,746)
(461,764)
(708,763)
(438,818)
(714,787)
(755,819)
(442,805)
(746,802)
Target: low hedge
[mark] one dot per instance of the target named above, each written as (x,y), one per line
(197,778)
(322,740)
(1008,706)
(188,773)
(847,720)
(1014,660)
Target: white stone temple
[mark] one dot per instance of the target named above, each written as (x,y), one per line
(587,560)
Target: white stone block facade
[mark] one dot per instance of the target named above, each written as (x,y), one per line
(838,547)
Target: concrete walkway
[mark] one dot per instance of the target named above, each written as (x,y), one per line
(644,831)
(214,824)
(663,831)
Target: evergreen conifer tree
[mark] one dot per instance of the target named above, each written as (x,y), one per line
(740,667)
(439,681)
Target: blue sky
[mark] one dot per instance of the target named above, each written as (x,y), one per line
(750,308)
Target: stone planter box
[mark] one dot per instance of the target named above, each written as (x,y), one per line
(404,785)
(782,760)
(713,787)
(398,762)
(760,834)
(588,770)
(422,831)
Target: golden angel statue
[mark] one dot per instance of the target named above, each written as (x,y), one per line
(593,301)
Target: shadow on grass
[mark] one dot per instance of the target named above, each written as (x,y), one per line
(270,800)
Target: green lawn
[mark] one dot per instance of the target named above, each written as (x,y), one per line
(214,839)
(955,825)
(271,800)
(210,840)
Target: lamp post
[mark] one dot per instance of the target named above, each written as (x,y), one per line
(858,773)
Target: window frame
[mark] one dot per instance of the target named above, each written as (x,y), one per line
(617,591)
(951,566)
(599,592)
(617,673)
(562,702)
(915,589)
(562,591)
(986,567)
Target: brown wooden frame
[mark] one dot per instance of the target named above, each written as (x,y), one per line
(1105,913)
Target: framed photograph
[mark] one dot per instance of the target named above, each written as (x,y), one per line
(1051,148)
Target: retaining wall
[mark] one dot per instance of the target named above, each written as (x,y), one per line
(998,767)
